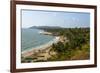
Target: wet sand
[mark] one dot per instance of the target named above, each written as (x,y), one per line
(44,47)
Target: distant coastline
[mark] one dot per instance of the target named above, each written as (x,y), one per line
(66,44)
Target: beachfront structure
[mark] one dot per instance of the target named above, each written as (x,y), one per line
(45,33)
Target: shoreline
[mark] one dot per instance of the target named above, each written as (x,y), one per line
(29,52)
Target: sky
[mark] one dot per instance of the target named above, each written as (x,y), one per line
(54,18)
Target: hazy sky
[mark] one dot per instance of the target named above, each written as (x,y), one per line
(51,18)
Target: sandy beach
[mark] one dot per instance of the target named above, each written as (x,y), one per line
(29,52)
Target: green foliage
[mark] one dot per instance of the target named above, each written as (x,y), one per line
(77,38)
(75,47)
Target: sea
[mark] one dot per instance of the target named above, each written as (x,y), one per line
(31,38)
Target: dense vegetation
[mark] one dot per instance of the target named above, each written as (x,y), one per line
(76,46)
